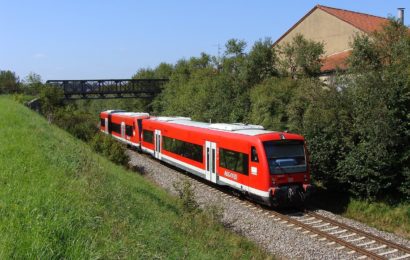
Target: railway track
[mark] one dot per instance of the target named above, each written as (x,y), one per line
(358,243)
(361,243)
(365,245)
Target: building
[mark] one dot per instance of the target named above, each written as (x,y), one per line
(335,28)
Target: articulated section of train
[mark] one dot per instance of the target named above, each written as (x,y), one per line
(267,166)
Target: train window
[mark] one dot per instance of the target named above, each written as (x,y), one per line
(129,130)
(102,122)
(235,161)
(116,128)
(254,155)
(148,136)
(182,148)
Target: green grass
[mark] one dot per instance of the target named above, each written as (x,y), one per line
(391,217)
(58,199)
(394,219)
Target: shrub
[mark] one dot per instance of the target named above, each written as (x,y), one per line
(110,148)
(51,99)
(78,123)
(186,194)
(9,82)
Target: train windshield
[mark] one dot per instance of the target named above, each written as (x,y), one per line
(285,156)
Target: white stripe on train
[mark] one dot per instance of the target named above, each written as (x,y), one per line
(200,172)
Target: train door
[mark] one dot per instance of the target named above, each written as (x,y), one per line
(109,123)
(210,171)
(123,130)
(157,153)
(106,125)
(139,124)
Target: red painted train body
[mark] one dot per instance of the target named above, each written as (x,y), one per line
(267,166)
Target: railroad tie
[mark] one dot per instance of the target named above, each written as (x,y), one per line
(338,232)
(307,219)
(401,257)
(322,225)
(377,248)
(352,234)
(388,252)
(329,229)
(367,243)
(356,239)
(314,222)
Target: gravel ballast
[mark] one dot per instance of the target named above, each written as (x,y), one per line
(270,233)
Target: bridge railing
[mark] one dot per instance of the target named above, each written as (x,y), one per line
(102,88)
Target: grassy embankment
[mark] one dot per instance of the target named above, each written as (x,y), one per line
(394,219)
(58,199)
(385,216)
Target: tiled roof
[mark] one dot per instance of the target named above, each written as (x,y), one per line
(335,61)
(364,22)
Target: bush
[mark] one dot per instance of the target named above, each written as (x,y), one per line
(51,99)
(9,82)
(186,194)
(78,123)
(110,148)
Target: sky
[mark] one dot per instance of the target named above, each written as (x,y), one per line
(107,39)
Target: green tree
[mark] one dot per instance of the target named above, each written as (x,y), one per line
(9,82)
(380,92)
(32,83)
(235,47)
(261,62)
(51,99)
(162,71)
(269,103)
(323,115)
(300,57)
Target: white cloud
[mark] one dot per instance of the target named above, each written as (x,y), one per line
(39,56)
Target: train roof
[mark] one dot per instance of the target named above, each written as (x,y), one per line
(127,114)
(133,114)
(238,128)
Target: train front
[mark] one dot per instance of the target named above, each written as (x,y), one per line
(287,164)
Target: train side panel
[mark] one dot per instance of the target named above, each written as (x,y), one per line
(125,127)
(233,163)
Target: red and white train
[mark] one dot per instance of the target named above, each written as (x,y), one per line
(270,167)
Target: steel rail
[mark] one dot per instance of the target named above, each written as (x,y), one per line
(333,238)
(360,232)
